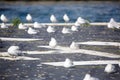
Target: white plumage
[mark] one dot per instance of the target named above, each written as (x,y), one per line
(66,18)
(32,31)
(74,28)
(68,63)
(3,18)
(74,45)
(89,77)
(80,20)
(14,51)
(110,68)
(22,26)
(3,25)
(53,43)
(113,24)
(66,30)
(29,17)
(53,19)
(50,29)
(36,25)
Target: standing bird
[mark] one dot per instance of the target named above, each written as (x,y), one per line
(109,68)
(50,29)
(68,63)
(3,25)
(53,19)
(32,31)
(113,24)
(3,18)
(53,43)
(89,77)
(66,18)
(74,45)
(14,51)
(29,18)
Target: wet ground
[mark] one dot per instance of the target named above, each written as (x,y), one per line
(28,70)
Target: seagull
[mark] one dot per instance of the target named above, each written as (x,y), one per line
(89,77)
(113,24)
(66,30)
(21,26)
(68,63)
(74,28)
(53,19)
(53,43)
(109,68)
(29,17)
(66,18)
(3,18)
(32,31)
(74,45)
(14,51)
(50,29)
(36,25)
(3,25)
(80,20)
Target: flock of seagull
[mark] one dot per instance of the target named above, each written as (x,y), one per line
(15,50)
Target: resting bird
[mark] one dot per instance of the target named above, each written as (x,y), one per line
(3,25)
(50,29)
(66,18)
(89,77)
(29,17)
(3,18)
(53,43)
(32,31)
(74,45)
(68,63)
(21,26)
(14,51)
(66,30)
(36,25)
(113,24)
(74,28)
(109,68)
(53,19)
(80,20)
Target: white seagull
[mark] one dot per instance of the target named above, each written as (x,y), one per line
(50,29)
(29,17)
(74,28)
(66,18)
(14,51)
(3,25)
(109,68)
(36,25)
(53,19)
(74,45)
(32,31)
(22,26)
(89,77)
(80,20)
(113,24)
(53,43)
(3,18)
(66,30)
(68,63)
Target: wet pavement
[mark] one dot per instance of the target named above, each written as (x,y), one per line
(28,69)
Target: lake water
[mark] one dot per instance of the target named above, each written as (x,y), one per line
(28,70)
